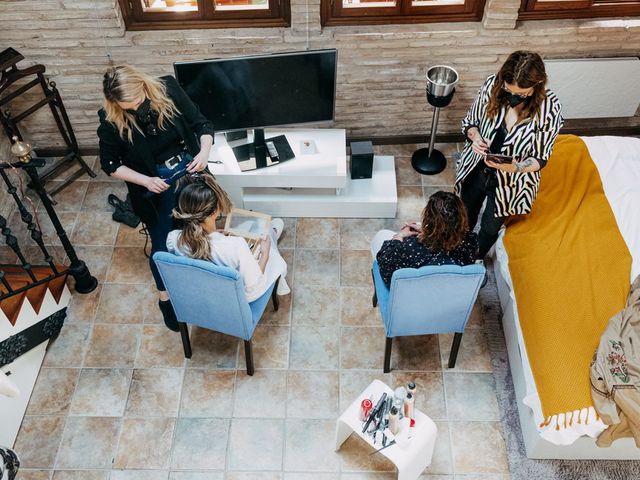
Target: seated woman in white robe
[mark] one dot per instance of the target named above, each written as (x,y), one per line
(199,205)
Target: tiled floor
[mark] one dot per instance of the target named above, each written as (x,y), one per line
(117,400)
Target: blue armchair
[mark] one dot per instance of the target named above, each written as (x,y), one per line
(426,300)
(210,296)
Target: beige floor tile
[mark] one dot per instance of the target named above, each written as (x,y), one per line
(282,316)
(357,240)
(113,346)
(38,441)
(442,461)
(145,443)
(355,455)
(313,305)
(154,392)
(97,193)
(70,198)
(210,475)
(97,259)
(354,382)
(130,237)
(444,179)
(255,445)
(317,267)
(311,476)
(356,307)
(288,237)
(362,347)
(126,303)
(68,350)
(368,476)
(270,345)
(129,265)
(200,443)
(473,354)
(309,446)
(314,347)
(94,228)
(475,319)
(101,392)
(430,398)
(269,386)
(253,476)
(82,307)
(355,267)
(288,256)
(317,233)
(405,174)
(471,396)
(212,349)
(160,347)
(480,477)
(26,474)
(81,475)
(478,447)
(419,352)
(410,203)
(139,475)
(208,393)
(88,442)
(313,394)
(53,391)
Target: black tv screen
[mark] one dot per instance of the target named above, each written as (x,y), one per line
(264,90)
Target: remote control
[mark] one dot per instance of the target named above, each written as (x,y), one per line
(273,153)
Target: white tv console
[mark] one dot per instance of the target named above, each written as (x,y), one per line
(315,183)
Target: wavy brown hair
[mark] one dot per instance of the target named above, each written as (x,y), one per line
(524,69)
(200,199)
(444,222)
(126,84)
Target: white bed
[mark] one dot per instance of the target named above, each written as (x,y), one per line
(618,162)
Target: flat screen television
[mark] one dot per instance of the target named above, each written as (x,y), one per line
(262,90)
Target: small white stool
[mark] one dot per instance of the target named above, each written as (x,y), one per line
(410,461)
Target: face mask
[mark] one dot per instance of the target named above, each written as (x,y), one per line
(512,99)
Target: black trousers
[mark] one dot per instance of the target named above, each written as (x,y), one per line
(481,183)
(159,230)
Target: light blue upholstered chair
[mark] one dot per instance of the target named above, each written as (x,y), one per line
(210,296)
(426,300)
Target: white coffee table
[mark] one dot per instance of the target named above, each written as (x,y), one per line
(313,184)
(411,460)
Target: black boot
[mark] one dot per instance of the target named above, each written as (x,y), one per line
(168,315)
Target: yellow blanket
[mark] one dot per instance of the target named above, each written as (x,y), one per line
(570,270)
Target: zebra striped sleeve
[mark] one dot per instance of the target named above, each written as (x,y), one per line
(478,107)
(545,136)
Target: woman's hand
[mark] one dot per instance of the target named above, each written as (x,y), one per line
(505,167)
(478,144)
(199,162)
(265,248)
(156,184)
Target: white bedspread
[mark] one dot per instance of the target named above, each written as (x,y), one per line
(618,162)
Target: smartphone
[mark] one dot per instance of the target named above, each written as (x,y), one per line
(498,158)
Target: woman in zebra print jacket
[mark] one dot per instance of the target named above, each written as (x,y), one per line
(513,114)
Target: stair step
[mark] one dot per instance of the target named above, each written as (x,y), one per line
(11,306)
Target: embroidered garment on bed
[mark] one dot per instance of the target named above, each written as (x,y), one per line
(570,271)
(615,373)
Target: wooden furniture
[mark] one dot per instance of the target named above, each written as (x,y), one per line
(12,76)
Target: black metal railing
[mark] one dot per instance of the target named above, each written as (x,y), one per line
(84,281)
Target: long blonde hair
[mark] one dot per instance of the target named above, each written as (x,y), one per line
(126,84)
(200,199)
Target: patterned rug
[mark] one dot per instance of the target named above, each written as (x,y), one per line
(521,467)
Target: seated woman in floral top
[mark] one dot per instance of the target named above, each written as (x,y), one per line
(443,238)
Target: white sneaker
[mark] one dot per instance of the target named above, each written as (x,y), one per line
(283,287)
(7,387)
(278,225)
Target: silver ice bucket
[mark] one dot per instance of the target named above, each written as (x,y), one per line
(441,80)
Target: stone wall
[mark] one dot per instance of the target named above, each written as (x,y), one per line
(381,68)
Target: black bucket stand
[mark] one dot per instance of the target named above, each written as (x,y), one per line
(429,161)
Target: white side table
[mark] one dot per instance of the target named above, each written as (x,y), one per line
(411,460)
